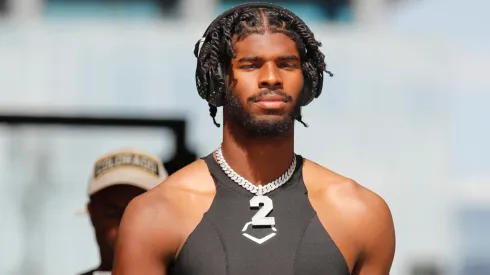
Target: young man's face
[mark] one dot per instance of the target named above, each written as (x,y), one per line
(266,83)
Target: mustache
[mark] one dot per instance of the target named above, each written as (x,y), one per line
(267,92)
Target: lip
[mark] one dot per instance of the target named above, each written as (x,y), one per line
(271,98)
(271,102)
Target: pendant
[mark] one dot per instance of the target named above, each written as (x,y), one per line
(260,218)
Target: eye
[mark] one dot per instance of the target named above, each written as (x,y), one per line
(287,65)
(249,66)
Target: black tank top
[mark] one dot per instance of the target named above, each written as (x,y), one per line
(224,243)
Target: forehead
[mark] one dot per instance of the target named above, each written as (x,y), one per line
(267,44)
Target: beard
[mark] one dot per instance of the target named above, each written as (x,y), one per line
(259,127)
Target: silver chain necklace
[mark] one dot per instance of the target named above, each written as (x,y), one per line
(259,200)
(254,189)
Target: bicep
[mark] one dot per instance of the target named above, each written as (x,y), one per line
(377,262)
(380,245)
(140,248)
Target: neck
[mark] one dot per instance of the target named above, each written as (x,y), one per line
(105,266)
(105,262)
(260,160)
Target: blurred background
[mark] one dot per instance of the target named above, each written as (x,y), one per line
(406,115)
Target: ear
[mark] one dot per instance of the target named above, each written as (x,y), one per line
(230,80)
(90,211)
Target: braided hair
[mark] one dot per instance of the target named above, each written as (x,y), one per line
(217,51)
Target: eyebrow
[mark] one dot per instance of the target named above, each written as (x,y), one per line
(249,59)
(289,58)
(256,58)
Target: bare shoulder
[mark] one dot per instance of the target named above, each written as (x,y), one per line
(350,206)
(181,196)
(343,193)
(159,217)
(165,200)
(194,178)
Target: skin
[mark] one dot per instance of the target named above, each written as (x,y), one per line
(106,209)
(157,224)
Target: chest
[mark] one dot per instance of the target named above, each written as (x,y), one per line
(240,236)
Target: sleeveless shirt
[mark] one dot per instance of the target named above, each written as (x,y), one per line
(224,242)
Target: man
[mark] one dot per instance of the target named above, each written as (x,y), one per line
(253,206)
(116,179)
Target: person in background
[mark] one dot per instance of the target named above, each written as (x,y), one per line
(116,179)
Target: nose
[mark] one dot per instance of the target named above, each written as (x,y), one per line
(270,77)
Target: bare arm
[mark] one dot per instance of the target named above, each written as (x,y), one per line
(379,239)
(146,241)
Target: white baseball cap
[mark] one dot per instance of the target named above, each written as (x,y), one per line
(126,167)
